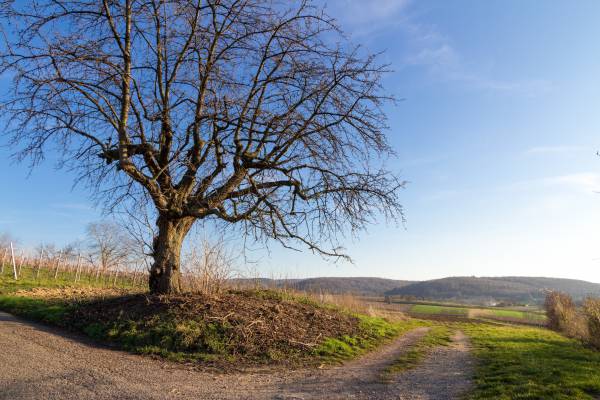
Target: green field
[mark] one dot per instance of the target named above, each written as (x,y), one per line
(508,315)
(439,310)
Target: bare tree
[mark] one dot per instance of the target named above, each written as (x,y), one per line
(109,245)
(239,111)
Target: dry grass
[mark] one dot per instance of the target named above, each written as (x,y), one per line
(72,293)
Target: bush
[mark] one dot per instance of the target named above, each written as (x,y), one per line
(591,310)
(563,315)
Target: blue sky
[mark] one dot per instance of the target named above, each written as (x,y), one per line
(497,135)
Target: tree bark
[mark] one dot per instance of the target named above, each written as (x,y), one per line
(165,274)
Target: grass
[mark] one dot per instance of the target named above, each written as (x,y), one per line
(438,335)
(439,310)
(516,316)
(28,279)
(35,309)
(373,332)
(531,363)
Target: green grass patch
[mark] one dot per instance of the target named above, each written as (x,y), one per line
(438,335)
(36,309)
(373,332)
(515,314)
(30,278)
(440,310)
(531,363)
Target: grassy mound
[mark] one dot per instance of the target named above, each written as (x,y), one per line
(241,328)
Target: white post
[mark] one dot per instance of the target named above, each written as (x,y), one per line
(21,261)
(3,258)
(12,254)
(39,264)
(77,273)
(57,265)
(116,274)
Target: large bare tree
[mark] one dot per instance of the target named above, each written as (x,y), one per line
(243,111)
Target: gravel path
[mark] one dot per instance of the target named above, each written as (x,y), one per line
(38,362)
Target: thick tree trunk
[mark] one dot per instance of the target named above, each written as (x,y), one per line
(165,274)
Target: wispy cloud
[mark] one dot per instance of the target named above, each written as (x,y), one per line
(580,182)
(554,149)
(587,182)
(367,18)
(428,48)
(72,206)
(435,52)
(360,12)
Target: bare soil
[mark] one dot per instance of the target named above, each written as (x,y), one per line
(37,362)
(257,326)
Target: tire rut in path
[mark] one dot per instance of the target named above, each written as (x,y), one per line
(444,374)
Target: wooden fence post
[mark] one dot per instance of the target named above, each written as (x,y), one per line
(12,254)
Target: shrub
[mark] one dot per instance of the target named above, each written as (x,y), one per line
(563,315)
(591,310)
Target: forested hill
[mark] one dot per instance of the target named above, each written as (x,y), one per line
(512,289)
(333,285)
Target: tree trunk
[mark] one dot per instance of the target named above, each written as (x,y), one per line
(165,274)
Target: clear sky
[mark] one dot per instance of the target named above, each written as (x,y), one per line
(497,135)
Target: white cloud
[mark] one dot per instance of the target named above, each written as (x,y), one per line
(587,182)
(554,149)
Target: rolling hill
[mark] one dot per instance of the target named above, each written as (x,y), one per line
(495,289)
(334,285)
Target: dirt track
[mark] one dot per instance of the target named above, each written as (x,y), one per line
(38,362)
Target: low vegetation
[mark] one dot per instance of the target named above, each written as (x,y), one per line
(234,327)
(516,362)
(580,322)
(591,310)
(439,310)
(450,311)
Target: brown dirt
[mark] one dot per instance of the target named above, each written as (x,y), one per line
(259,325)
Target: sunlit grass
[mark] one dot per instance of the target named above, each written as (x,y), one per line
(531,363)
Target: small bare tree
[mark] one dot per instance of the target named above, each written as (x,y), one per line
(109,245)
(250,112)
(210,265)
